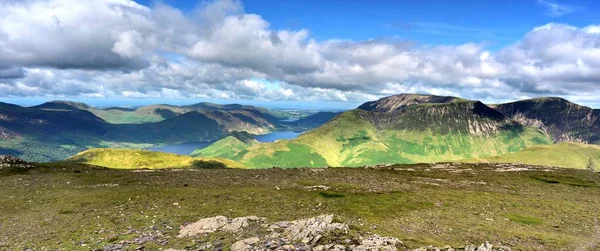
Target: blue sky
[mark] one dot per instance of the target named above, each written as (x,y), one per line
(426,21)
(332,54)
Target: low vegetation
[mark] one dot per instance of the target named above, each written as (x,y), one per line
(78,207)
(138,159)
(569,155)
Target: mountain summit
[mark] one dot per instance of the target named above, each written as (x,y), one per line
(401,101)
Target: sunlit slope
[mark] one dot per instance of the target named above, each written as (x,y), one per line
(423,132)
(137,159)
(570,155)
(229,147)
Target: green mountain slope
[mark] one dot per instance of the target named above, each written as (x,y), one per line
(136,159)
(565,121)
(411,132)
(569,155)
(229,147)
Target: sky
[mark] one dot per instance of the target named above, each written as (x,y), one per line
(330,54)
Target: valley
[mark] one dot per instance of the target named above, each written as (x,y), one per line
(57,130)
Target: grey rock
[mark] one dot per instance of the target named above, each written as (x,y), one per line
(245,245)
(114,247)
(203,226)
(307,230)
(217,223)
(376,243)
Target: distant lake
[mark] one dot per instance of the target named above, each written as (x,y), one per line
(183,148)
(277,136)
(290,120)
(189,147)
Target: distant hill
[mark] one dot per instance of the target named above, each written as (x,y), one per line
(565,121)
(229,147)
(137,159)
(570,155)
(56,130)
(314,120)
(400,129)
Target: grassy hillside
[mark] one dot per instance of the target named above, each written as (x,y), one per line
(425,133)
(229,147)
(136,159)
(570,155)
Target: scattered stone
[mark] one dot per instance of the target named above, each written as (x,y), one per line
(309,229)
(483,247)
(245,245)
(238,224)
(317,187)
(378,243)
(303,235)
(114,247)
(10,161)
(213,224)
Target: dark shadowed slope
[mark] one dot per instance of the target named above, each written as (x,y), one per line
(565,121)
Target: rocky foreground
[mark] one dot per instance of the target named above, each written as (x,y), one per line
(319,233)
(7,161)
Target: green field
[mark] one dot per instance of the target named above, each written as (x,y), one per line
(75,207)
(570,155)
(138,159)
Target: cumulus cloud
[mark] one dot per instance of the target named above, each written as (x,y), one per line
(118,48)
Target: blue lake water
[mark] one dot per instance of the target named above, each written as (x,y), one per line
(270,137)
(290,120)
(189,147)
(183,148)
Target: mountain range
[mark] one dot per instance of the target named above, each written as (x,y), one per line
(404,128)
(59,129)
(411,128)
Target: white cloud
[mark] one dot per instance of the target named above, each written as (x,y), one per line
(117,48)
(555,9)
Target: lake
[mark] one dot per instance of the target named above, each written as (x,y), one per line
(188,148)
(183,148)
(270,137)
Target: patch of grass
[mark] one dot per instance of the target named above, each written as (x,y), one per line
(140,159)
(567,180)
(327,194)
(569,155)
(208,164)
(66,211)
(524,219)
(545,179)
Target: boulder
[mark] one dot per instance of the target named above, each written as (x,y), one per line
(376,243)
(217,223)
(245,245)
(308,230)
